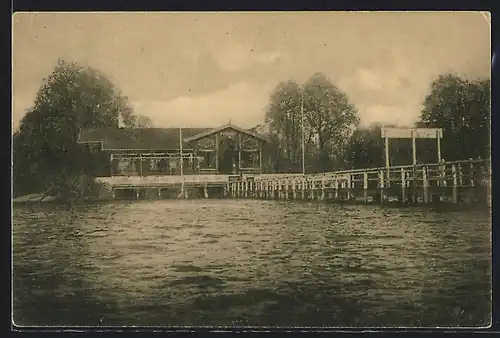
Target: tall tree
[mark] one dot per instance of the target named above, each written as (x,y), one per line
(331,118)
(284,124)
(72,97)
(462,108)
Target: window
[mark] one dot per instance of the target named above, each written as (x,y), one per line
(248,159)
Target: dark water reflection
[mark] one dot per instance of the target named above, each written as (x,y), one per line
(250,263)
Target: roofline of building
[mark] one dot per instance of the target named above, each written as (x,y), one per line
(185,140)
(218,129)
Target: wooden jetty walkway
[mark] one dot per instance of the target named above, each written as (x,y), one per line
(454,182)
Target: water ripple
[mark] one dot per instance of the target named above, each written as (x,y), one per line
(250,263)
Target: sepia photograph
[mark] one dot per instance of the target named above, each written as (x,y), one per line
(251,170)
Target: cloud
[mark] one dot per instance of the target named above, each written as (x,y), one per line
(404,115)
(374,80)
(390,94)
(238,55)
(243,103)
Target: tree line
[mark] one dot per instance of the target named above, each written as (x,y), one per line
(333,138)
(316,116)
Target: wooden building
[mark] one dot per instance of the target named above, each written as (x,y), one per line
(226,150)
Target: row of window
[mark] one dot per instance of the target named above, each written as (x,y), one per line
(172,165)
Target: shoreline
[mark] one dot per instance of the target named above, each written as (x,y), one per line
(37,198)
(33,199)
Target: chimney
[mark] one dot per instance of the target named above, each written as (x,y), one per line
(121,125)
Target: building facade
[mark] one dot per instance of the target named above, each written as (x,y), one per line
(226,150)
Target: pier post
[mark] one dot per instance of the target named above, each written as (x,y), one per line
(403,185)
(455,182)
(414,197)
(460,175)
(323,189)
(303,188)
(365,186)
(381,185)
(294,189)
(472,180)
(425,184)
(336,188)
(312,187)
(349,186)
(286,189)
(246,189)
(273,189)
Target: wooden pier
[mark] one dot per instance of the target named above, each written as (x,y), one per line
(453,182)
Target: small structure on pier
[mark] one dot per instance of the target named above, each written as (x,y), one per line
(162,151)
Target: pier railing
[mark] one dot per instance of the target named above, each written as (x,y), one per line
(454,181)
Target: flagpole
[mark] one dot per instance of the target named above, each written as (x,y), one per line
(180,148)
(303,137)
(183,193)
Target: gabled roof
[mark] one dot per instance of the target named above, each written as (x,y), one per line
(221,128)
(137,138)
(150,138)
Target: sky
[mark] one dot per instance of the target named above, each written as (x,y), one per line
(206,69)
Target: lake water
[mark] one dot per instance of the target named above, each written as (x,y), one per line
(239,263)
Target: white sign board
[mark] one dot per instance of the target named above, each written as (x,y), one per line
(408,132)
